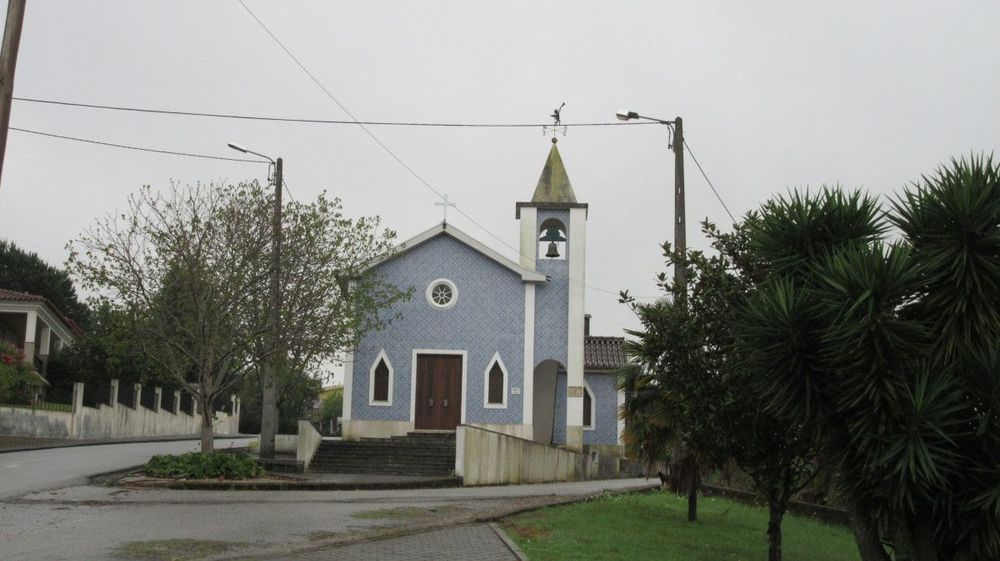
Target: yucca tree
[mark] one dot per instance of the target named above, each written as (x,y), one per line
(884,352)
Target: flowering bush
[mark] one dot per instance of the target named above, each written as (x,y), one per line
(18,382)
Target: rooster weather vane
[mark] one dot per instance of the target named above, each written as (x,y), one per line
(556,126)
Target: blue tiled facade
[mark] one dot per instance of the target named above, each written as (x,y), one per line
(552,300)
(605,411)
(487,318)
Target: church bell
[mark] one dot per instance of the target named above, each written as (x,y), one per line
(552,236)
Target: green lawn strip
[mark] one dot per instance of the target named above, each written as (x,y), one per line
(174,550)
(654,526)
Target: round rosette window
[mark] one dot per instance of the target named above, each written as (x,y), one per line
(442,293)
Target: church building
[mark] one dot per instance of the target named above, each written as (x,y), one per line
(490,342)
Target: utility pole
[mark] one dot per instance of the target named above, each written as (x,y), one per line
(8,61)
(269,399)
(680,218)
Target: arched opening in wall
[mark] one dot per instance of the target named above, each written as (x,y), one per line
(552,239)
(544,400)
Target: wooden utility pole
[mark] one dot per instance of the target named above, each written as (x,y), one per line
(680,219)
(269,399)
(8,61)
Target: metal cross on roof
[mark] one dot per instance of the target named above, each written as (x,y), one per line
(444,203)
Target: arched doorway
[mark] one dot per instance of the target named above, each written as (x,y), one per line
(544,405)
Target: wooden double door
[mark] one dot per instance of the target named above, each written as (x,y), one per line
(439,392)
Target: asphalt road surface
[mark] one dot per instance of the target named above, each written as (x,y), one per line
(52,468)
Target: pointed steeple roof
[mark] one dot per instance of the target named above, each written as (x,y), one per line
(553,185)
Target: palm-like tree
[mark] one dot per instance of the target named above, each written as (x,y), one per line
(885,353)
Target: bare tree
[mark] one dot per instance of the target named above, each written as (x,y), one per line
(184,261)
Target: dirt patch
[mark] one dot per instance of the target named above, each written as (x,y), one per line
(408,512)
(319,536)
(174,550)
(527,531)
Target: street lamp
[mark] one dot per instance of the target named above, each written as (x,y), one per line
(269,398)
(680,233)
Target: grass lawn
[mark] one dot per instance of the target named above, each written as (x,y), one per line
(654,526)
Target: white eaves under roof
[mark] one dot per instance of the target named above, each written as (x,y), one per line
(527,275)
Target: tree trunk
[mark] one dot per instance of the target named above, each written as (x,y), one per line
(207,429)
(924,544)
(902,540)
(692,489)
(777,512)
(866,534)
(268,412)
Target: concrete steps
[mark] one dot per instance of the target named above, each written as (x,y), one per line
(428,454)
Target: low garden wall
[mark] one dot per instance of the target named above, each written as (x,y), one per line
(115,419)
(484,457)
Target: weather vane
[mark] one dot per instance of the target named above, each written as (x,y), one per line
(556,126)
(444,203)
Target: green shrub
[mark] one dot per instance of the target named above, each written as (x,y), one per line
(18,381)
(204,465)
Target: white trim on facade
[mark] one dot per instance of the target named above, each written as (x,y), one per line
(40,311)
(429,293)
(527,275)
(413,378)
(621,422)
(371,381)
(593,407)
(528,380)
(348,384)
(486,383)
(574,353)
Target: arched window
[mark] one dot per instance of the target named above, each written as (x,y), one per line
(495,384)
(380,381)
(588,407)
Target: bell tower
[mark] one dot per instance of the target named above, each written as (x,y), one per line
(553,242)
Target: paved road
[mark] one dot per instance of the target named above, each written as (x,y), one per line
(37,470)
(47,511)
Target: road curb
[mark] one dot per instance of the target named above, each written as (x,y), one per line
(75,444)
(508,542)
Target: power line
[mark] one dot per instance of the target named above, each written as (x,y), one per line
(137,148)
(709,181)
(306,120)
(384,147)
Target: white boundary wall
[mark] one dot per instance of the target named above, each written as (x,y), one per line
(110,421)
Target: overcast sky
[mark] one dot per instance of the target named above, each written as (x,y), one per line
(773,95)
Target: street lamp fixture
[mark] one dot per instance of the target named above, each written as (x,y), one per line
(680,228)
(243,149)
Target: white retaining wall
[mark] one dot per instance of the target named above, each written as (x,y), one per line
(110,421)
(484,457)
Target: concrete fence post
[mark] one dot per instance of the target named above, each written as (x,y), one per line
(114,392)
(177,402)
(74,422)
(158,392)
(77,396)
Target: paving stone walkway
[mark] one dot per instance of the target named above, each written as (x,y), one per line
(461,543)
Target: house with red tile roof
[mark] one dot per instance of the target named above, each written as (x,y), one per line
(35,326)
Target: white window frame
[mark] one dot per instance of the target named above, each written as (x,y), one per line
(371,381)
(593,406)
(486,383)
(430,290)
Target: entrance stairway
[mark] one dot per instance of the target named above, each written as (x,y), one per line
(417,453)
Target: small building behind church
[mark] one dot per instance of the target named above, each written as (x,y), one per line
(490,342)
